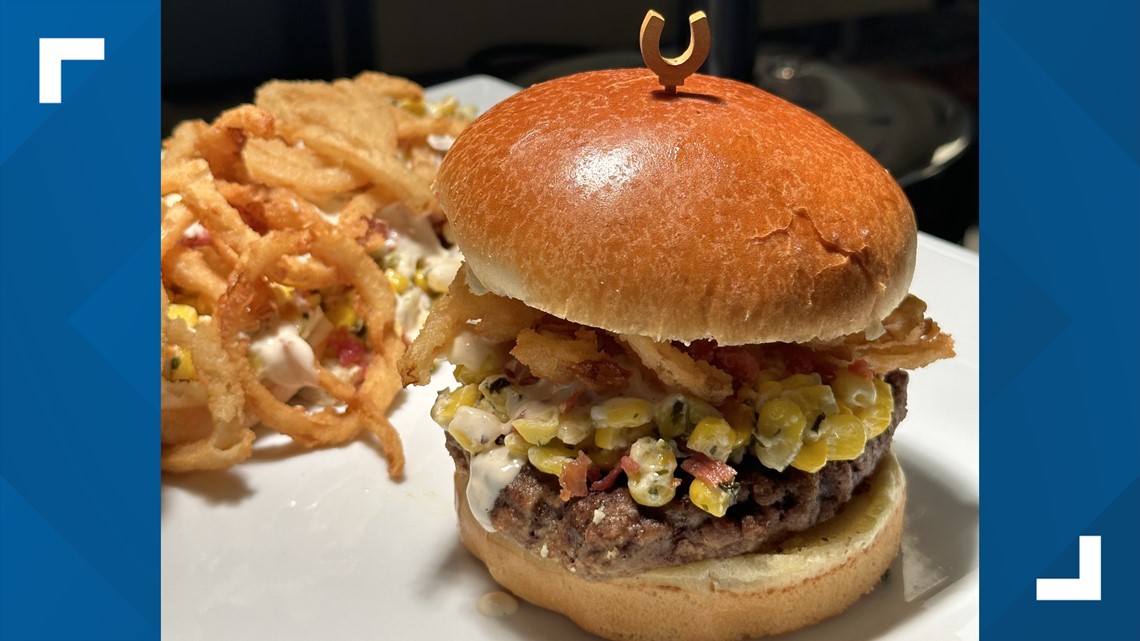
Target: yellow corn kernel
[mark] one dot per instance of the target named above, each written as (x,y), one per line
(622,412)
(845,436)
(877,418)
(420,280)
(283,294)
(767,390)
(814,400)
(811,457)
(713,437)
(516,444)
(474,429)
(742,419)
(412,105)
(500,394)
(853,390)
(185,312)
(398,281)
(616,438)
(801,380)
(605,459)
(551,459)
(449,401)
(677,414)
(182,366)
(780,419)
(491,365)
(539,429)
(779,433)
(343,314)
(575,428)
(713,500)
(652,485)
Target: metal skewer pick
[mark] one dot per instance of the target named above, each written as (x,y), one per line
(671,72)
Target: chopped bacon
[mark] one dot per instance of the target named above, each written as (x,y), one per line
(709,470)
(861,368)
(573,477)
(629,465)
(799,364)
(740,363)
(349,349)
(607,481)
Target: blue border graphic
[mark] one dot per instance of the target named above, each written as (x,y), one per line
(1060,190)
(79,481)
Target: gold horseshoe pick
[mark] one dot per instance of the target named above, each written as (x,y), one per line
(671,72)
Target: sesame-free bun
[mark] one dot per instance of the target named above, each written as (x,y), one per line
(816,574)
(719,212)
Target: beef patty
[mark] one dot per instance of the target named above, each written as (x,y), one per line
(607,534)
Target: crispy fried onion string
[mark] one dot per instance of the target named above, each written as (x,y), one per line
(328,426)
(495,318)
(678,370)
(911,341)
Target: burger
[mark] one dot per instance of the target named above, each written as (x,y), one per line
(679,341)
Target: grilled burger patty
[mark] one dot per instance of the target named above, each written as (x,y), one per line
(607,534)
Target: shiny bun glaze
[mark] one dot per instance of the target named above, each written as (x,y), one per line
(721,212)
(817,574)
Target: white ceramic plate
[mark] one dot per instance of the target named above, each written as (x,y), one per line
(296,545)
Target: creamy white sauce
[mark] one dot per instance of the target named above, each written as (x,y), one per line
(440,142)
(195,230)
(497,604)
(468,350)
(491,471)
(286,359)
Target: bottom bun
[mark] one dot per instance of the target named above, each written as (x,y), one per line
(816,574)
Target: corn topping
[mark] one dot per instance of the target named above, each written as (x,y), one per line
(713,437)
(652,484)
(797,421)
(711,499)
(185,312)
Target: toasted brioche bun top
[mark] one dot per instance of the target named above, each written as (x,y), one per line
(719,212)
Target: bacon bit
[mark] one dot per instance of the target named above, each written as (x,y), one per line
(573,477)
(804,364)
(349,349)
(709,470)
(569,403)
(861,368)
(799,364)
(741,364)
(629,465)
(607,481)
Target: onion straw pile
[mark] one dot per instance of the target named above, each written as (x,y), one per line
(299,250)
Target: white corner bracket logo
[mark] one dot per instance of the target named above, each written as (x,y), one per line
(53,51)
(1086,587)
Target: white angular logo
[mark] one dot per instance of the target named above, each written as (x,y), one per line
(1086,587)
(53,51)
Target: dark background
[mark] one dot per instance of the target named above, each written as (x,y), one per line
(898,76)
